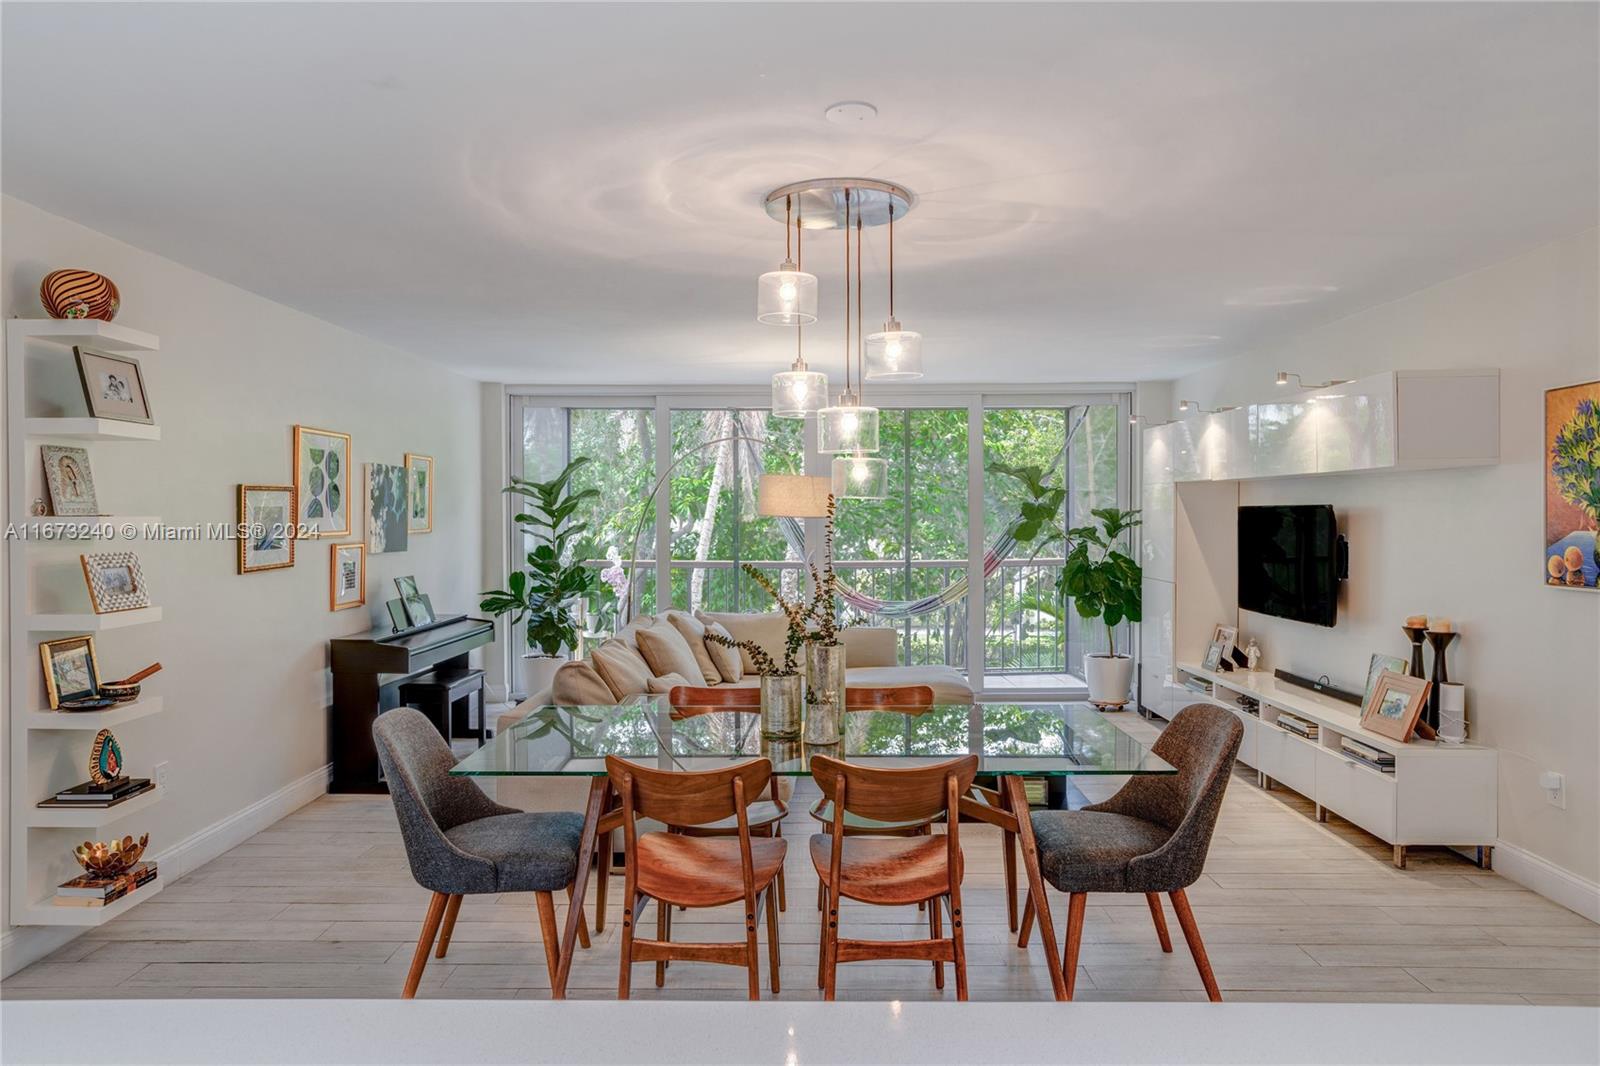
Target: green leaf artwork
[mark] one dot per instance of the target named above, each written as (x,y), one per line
(334,496)
(316,456)
(315,481)
(314,509)
(333,465)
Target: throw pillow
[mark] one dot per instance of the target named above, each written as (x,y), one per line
(667,682)
(729,661)
(577,684)
(623,668)
(768,629)
(693,632)
(664,648)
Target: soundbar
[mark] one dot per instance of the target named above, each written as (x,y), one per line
(1321,685)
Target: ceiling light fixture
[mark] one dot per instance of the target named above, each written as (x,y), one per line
(1284,376)
(787,296)
(1189,405)
(893,354)
(859,475)
(799,392)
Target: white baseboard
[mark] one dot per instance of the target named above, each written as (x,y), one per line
(1561,886)
(25,945)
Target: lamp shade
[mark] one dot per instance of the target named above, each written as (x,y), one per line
(893,354)
(793,496)
(860,477)
(787,297)
(798,393)
(847,427)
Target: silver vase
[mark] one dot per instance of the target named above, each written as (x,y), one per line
(782,702)
(825,678)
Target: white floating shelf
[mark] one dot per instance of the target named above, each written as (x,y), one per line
(92,623)
(90,429)
(90,332)
(121,714)
(93,817)
(57,529)
(47,913)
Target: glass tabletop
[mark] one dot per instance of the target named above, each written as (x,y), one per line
(1028,739)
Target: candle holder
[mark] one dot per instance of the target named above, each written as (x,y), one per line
(1416,634)
(1441,675)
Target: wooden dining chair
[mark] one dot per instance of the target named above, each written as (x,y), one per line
(676,869)
(764,816)
(892,871)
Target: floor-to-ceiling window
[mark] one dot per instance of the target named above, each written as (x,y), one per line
(905,562)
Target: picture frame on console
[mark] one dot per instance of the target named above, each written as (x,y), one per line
(1375,669)
(1396,704)
(1213,659)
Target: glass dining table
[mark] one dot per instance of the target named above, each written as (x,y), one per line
(1013,742)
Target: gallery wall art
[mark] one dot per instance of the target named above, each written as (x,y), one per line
(1572,485)
(266,527)
(388,511)
(322,481)
(347,579)
(420,470)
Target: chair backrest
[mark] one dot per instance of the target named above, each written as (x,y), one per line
(721,696)
(867,697)
(1201,741)
(686,797)
(893,795)
(428,801)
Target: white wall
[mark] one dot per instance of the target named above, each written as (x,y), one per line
(246,680)
(1463,543)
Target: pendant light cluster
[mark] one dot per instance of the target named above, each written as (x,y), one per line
(847,428)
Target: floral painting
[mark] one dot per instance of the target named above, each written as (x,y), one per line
(322,481)
(1572,485)
(387,508)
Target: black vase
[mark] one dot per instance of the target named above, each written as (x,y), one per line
(1441,674)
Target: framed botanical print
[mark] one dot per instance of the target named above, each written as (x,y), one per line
(388,514)
(116,582)
(71,671)
(1395,706)
(419,612)
(113,386)
(322,482)
(347,576)
(266,527)
(68,481)
(1572,486)
(419,488)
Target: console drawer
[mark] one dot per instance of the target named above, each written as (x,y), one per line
(1356,793)
(1287,759)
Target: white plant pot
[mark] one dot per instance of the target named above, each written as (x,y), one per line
(1110,678)
(537,673)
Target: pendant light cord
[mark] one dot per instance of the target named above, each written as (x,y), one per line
(800,264)
(891,257)
(788,217)
(847,291)
(860,372)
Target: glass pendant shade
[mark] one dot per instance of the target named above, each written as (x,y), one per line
(893,354)
(799,393)
(787,297)
(847,427)
(860,477)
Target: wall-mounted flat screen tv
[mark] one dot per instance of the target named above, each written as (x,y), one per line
(1291,559)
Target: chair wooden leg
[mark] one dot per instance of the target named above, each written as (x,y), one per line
(1008,857)
(783,893)
(451,909)
(430,929)
(583,922)
(926,830)
(1160,917)
(1069,956)
(958,937)
(822,892)
(1191,933)
(822,935)
(752,949)
(663,934)
(935,932)
(547,930)
(772,939)
(1027,923)
(833,948)
(630,913)
(602,864)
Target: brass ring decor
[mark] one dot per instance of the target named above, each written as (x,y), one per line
(79,294)
(110,859)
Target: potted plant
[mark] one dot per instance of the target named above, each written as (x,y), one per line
(1104,582)
(782,691)
(546,593)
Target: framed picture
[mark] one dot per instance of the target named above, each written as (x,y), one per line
(116,583)
(71,671)
(1228,637)
(1375,667)
(113,387)
(68,481)
(419,468)
(388,513)
(347,576)
(322,482)
(266,527)
(1395,706)
(397,614)
(1572,486)
(418,611)
(1213,660)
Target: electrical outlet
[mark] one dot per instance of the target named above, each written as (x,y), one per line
(1555,788)
(161,774)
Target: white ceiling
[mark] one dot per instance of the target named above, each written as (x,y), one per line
(572,193)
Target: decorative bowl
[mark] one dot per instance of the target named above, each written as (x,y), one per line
(120,691)
(79,294)
(108,860)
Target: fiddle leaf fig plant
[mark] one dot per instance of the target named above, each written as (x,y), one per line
(555,579)
(1103,581)
(1040,505)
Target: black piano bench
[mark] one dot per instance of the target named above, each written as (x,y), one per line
(442,693)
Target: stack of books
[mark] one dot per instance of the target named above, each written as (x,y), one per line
(91,890)
(1197,684)
(1249,705)
(1367,755)
(90,794)
(1296,725)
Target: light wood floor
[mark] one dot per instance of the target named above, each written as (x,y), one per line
(322,904)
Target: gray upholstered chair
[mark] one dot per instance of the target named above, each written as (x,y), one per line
(460,842)
(1151,837)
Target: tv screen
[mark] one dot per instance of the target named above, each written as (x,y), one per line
(1289,562)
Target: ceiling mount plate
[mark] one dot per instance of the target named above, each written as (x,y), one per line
(819,202)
